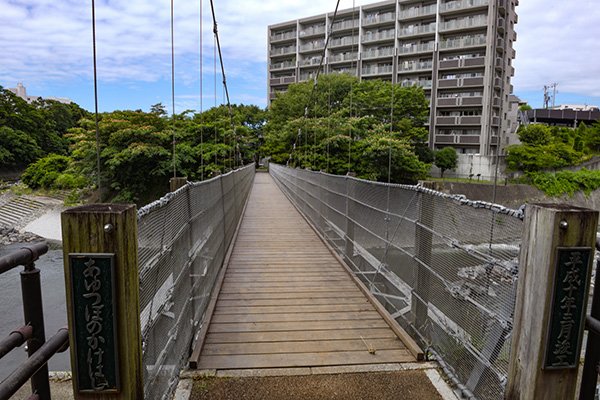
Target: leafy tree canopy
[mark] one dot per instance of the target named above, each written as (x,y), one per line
(340,124)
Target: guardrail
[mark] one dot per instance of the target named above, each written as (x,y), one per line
(38,349)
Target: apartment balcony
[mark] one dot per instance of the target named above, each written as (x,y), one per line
(379,19)
(280,37)
(464,23)
(495,121)
(312,47)
(415,66)
(313,31)
(424,83)
(282,51)
(313,61)
(377,70)
(459,6)
(445,139)
(420,30)
(471,41)
(282,65)
(343,57)
(379,36)
(307,76)
(499,63)
(502,7)
(464,120)
(476,101)
(512,53)
(510,71)
(371,54)
(344,25)
(418,12)
(496,102)
(417,48)
(498,83)
(500,45)
(501,25)
(344,41)
(460,82)
(514,36)
(350,71)
(282,80)
(462,63)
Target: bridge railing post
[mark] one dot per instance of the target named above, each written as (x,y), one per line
(177,182)
(102,285)
(555,265)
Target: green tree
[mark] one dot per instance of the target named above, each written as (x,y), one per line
(535,134)
(446,159)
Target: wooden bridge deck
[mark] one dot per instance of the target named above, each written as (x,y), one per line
(286,301)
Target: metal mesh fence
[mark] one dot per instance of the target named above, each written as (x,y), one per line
(182,242)
(443,266)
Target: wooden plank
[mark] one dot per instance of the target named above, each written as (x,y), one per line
(303,359)
(258,337)
(295,326)
(310,346)
(286,289)
(287,302)
(365,306)
(290,295)
(297,317)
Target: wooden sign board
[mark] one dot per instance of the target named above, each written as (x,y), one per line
(566,323)
(94,321)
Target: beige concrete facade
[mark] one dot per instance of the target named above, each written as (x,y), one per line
(459,51)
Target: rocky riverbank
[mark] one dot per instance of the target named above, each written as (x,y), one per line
(11,235)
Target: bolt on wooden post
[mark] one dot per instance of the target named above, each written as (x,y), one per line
(102,288)
(554,277)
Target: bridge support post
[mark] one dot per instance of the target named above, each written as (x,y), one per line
(554,278)
(102,286)
(176,183)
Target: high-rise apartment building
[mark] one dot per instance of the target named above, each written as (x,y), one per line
(459,51)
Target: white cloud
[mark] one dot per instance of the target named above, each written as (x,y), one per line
(557,42)
(48,40)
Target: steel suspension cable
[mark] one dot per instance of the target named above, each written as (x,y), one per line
(99,179)
(173,84)
(218,42)
(350,138)
(201,105)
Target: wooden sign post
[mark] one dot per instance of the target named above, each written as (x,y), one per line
(555,266)
(102,286)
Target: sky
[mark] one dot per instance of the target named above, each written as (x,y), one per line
(47,45)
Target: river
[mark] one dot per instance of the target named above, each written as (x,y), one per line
(11,307)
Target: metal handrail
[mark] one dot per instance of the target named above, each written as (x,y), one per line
(38,350)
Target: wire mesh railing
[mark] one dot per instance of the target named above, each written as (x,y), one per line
(182,241)
(443,266)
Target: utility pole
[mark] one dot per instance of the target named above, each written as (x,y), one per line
(546,97)
(553,86)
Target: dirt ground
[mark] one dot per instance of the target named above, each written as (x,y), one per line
(413,385)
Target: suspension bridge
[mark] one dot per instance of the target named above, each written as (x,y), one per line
(299,272)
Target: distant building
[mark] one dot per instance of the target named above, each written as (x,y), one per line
(21,91)
(459,51)
(576,107)
(572,117)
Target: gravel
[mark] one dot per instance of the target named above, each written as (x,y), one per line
(414,385)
